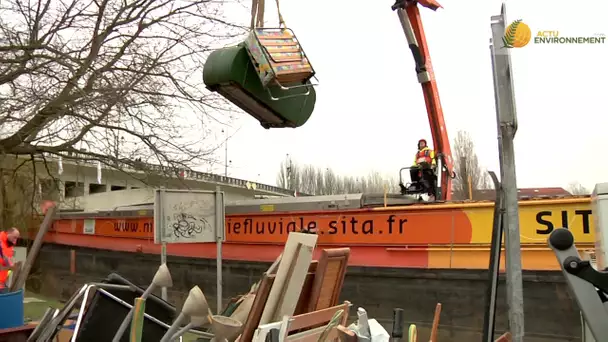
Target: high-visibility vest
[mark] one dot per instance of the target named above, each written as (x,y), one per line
(426,155)
(6,254)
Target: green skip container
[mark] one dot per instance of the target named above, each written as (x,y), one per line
(230,72)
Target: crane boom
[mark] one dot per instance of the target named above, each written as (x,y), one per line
(414,32)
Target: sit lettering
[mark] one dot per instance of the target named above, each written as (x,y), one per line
(543,218)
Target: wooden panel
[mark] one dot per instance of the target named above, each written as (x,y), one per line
(261,296)
(329,278)
(290,295)
(282,279)
(304,300)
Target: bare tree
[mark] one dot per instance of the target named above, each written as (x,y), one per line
(577,189)
(289,177)
(109,80)
(332,182)
(320,186)
(470,176)
(324,181)
(308,179)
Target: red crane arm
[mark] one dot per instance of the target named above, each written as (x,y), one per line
(426,77)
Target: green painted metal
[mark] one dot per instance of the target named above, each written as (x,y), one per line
(230,72)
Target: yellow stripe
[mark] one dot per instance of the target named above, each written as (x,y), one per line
(486,204)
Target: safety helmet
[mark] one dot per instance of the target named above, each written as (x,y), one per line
(422,140)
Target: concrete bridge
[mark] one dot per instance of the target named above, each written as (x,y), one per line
(75,182)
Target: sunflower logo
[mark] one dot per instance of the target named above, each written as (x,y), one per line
(517,35)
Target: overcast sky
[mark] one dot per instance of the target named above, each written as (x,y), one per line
(370,111)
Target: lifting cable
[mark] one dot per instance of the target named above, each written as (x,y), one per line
(257,14)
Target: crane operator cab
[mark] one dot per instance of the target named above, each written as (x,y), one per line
(423,174)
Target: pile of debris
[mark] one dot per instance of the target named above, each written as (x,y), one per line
(297,299)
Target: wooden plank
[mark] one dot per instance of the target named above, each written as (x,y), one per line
(435,325)
(273,268)
(506,337)
(309,240)
(329,278)
(286,49)
(33,252)
(17,268)
(268,43)
(290,295)
(319,317)
(275,35)
(311,335)
(18,334)
(346,335)
(255,314)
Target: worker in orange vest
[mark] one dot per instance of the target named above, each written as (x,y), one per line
(424,163)
(8,240)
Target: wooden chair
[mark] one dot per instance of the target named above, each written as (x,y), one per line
(318,319)
(310,326)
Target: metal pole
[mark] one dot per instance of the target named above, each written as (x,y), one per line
(507,122)
(163,260)
(226,158)
(127,320)
(494,266)
(286,169)
(219,238)
(174,328)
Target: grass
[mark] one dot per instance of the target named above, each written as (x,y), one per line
(34,311)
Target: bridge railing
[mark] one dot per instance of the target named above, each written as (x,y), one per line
(74,158)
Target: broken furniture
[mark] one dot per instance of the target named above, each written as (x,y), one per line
(162,278)
(279,59)
(194,306)
(307,327)
(291,274)
(298,284)
(329,278)
(103,308)
(17,334)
